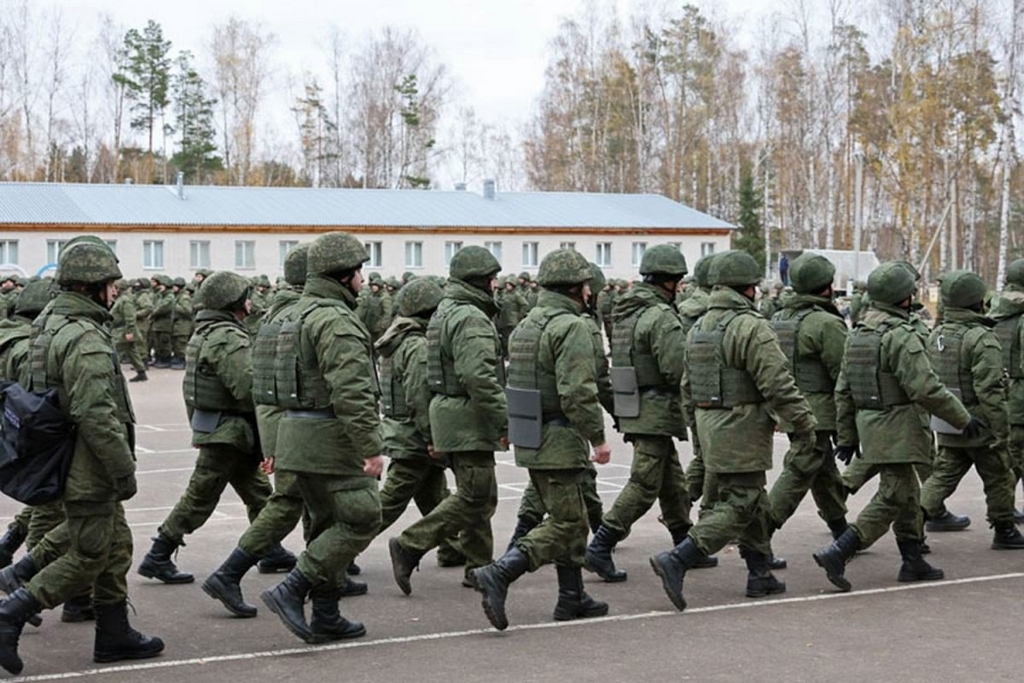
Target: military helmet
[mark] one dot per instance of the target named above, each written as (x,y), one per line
(419,296)
(33,298)
(473,262)
(85,239)
(891,283)
(910,268)
(376,278)
(335,252)
(295,263)
(597,278)
(663,259)
(87,263)
(407,276)
(224,289)
(734,268)
(1015,273)
(702,270)
(962,289)
(164,280)
(811,273)
(178,282)
(263,281)
(524,276)
(563,267)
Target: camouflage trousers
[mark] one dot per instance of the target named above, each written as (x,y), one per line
(859,472)
(466,513)
(421,481)
(741,512)
(897,503)
(562,536)
(178,344)
(92,549)
(129,350)
(655,475)
(700,484)
(1015,447)
(217,466)
(33,522)
(993,466)
(142,339)
(809,469)
(532,509)
(344,515)
(162,347)
(278,517)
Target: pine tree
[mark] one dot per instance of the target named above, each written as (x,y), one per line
(193,123)
(750,237)
(146,76)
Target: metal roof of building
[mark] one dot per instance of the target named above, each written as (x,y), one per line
(29,203)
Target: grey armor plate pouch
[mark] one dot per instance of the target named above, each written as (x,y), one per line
(204,421)
(940,426)
(627,392)
(525,417)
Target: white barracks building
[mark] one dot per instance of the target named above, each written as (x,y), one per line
(177,230)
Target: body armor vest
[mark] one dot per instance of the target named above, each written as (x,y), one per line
(264,357)
(1008,331)
(203,388)
(949,363)
(627,353)
(873,386)
(712,383)
(301,386)
(812,377)
(523,370)
(392,388)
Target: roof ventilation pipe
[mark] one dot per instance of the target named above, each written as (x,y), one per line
(460,187)
(181,185)
(489,188)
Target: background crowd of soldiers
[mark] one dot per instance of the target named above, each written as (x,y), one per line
(315,380)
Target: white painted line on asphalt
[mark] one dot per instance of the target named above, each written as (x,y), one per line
(170,469)
(351,645)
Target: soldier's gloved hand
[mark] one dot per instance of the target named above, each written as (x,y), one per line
(975,427)
(126,487)
(845,453)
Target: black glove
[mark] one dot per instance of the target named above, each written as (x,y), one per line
(975,427)
(845,453)
(126,487)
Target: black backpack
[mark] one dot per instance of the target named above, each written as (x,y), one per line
(37,442)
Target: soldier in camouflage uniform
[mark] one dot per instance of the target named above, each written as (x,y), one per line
(648,343)
(143,299)
(330,436)
(8,295)
(73,353)
(162,321)
(552,368)
(374,307)
(858,301)
(967,357)
(511,309)
(736,383)
(812,334)
(124,330)
(605,303)
(467,416)
(885,381)
(218,398)
(181,323)
(1009,329)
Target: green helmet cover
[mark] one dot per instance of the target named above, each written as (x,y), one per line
(891,283)
(734,268)
(419,296)
(811,273)
(563,267)
(223,289)
(962,289)
(473,262)
(663,259)
(335,252)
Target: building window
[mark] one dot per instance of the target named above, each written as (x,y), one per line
(245,254)
(530,254)
(707,248)
(450,250)
(113,245)
(284,246)
(198,254)
(153,254)
(9,252)
(603,256)
(376,252)
(53,248)
(494,248)
(414,254)
(638,253)
(567,245)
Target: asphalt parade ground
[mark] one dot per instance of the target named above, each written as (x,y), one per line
(964,628)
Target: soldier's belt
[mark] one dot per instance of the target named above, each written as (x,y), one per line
(311,414)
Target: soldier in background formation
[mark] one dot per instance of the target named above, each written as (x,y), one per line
(125,331)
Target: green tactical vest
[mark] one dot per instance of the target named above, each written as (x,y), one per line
(300,386)
(873,387)
(392,388)
(812,377)
(523,370)
(264,361)
(203,389)
(626,353)
(1008,332)
(949,363)
(713,384)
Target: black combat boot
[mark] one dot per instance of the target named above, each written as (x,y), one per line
(287,600)
(18,574)
(573,601)
(914,567)
(760,581)
(157,564)
(599,555)
(833,559)
(523,527)
(671,566)
(117,640)
(947,521)
(595,521)
(837,527)
(352,588)
(493,581)
(15,610)
(705,561)
(77,610)
(277,560)
(402,564)
(225,584)
(140,376)
(776,563)
(9,544)
(353,569)
(328,624)
(1007,537)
